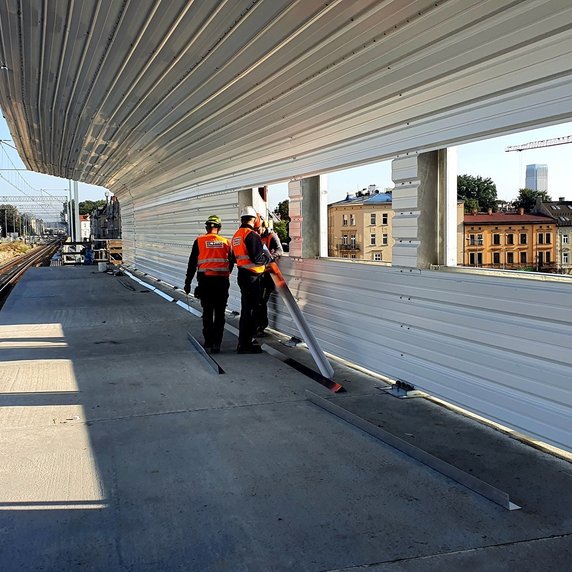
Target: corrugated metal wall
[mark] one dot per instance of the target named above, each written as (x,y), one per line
(164,234)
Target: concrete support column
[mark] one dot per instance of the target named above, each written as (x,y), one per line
(424,202)
(308,217)
(255,197)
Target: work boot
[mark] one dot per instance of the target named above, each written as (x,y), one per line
(261,333)
(250,349)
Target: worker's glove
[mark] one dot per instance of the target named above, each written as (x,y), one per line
(187,288)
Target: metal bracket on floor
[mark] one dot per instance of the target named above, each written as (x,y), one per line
(326,382)
(203,353)
(473,483)
(403,390)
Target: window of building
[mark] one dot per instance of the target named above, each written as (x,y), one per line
(523,257)
(564,239)
(480,239)
(496,257)
(541,258)
(352,220)
(548,258)
(564,258)
(384,218)
(496,238)
(345,239)
(510,238)
(372,239)
(476,259)
(384,239)
(352,255)
(372,218)
(344,220)
(510,257)
(472,240)
(548,238)
(540,238)
(353,240)
(377,256)
(522,238)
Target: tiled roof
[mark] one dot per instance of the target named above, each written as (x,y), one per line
(505,218)
(560,210)
(364,199)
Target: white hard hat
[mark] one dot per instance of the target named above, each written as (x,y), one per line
(248,212)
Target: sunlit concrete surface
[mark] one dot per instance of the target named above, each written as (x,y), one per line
(122,450)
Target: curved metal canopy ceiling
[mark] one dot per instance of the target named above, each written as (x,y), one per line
(154,96)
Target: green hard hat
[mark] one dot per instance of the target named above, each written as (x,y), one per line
(214,220)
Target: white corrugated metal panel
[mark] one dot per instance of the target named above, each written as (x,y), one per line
(501,347)
(162,96)
(165,234)
(128,230)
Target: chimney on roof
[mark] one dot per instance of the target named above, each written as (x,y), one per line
(521,211)
(490,211)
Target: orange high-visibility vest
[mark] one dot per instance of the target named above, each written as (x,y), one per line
(266,240)
(241,254)
(213,257)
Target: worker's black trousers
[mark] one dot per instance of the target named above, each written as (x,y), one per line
(249,284)
(266,289)
(214,296)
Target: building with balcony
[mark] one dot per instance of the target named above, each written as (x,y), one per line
(359,226)
(510,240)
(561,212)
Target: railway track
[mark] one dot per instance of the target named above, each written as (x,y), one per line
(12,271)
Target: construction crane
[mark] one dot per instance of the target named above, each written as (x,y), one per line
(540,144)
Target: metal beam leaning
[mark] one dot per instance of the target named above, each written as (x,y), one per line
(321,360)
(473,483)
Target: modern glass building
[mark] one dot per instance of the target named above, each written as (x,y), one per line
(537,177)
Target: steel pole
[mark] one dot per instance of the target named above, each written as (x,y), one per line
(76,212)
(70,212)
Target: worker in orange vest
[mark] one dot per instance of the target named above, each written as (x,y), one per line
(271,241)
(212,260)
(251,261)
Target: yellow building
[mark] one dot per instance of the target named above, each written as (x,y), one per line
(512,240)
(359,227)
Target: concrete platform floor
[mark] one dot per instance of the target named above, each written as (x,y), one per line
(122,450)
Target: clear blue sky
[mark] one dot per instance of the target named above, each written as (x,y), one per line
(485,158)
(52,185)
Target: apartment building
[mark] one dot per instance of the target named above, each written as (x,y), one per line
(561,212)
(510,240)
(359,226)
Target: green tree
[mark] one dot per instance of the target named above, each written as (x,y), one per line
(86,207)
(477,191)
(281,229)
(527,199)
(8,219)
(282,211)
